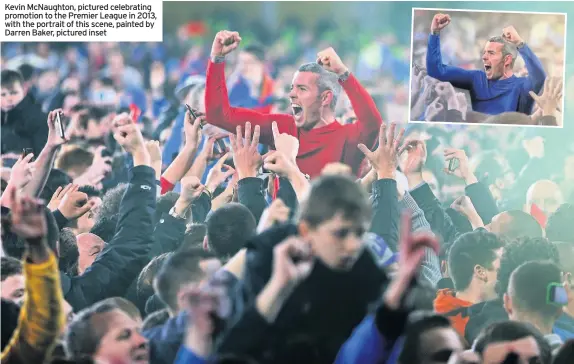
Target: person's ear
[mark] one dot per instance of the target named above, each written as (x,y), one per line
(508,60)
(480,272)
(444,268)
(205,244)
(507,304)
(304,229)
(326,98)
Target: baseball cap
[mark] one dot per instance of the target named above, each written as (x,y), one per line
(186,84)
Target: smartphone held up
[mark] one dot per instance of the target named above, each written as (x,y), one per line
(59,125)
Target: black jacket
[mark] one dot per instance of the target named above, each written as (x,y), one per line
(25,126)
(386,212)
(126,254)
(440,222)
(482,315)
(168,235)
(250,194)
(315,320)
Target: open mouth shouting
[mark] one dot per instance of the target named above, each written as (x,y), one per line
(297,111)
(487,68)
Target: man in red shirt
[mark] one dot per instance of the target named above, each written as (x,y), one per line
(314,93)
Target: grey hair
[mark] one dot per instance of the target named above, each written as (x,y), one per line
(326,81)
(507,49)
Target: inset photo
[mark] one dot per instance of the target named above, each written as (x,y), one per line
(487,67)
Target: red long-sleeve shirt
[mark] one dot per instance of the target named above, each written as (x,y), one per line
(317,147)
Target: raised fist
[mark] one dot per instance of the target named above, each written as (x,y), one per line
(331,61)
(510,34)
(439,22)
(224,43)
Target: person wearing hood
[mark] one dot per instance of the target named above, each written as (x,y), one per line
(473,263)
(23,122)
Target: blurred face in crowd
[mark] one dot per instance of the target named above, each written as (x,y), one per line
(11,96)
(71,84)
(89,246)
(12,288)
(338,242)
(498,223)
(47,82)
(70,101)
(43,49)
(94,129)
(305,99)
(116,63)
(437,345)
(546,195)
(101,95)
(249,66)
(526,349)
(71,55)
(122,342)
(87,220)
(494,62)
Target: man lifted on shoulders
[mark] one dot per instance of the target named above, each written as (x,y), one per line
(495,89)
(314,93)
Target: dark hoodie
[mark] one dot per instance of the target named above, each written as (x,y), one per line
(24,126)
(314,321)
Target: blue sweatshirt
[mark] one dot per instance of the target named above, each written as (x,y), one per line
(491,97)
(368,346)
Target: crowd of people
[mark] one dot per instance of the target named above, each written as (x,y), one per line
(219,210)
(517,78)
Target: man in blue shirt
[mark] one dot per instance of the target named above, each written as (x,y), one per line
(494,89)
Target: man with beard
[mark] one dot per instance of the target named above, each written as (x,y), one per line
(495,89)
(314,93)
(23,122)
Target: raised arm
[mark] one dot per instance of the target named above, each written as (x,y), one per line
(41,317)
(127,253)
(536,74)
(368,116)
(459,77)
(183,162)
(218,110)
(46,158)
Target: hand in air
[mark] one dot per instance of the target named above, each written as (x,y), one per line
(510,34)
(439,22)
(551,98)
(246,157)
(385,158)
(224,43)
(331,61)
